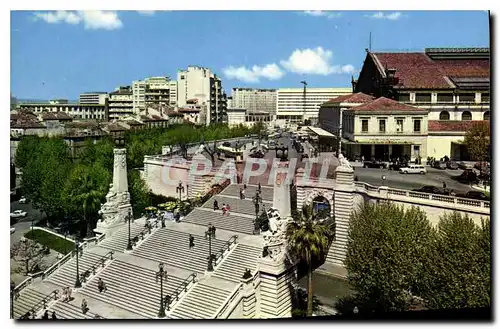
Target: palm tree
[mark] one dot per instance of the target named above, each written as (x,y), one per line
(309,240)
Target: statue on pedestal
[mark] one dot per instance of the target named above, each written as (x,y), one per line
(343,162)
(275,238)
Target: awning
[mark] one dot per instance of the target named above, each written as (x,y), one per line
(378,142)
(321,132)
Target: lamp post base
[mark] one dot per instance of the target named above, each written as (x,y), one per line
(129,245)
(161,312)
(78,283)
(210,267)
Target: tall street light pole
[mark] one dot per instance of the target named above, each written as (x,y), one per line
(304,101)
(180,189)
(129,219)
(209,232)
(78,283)
(162,273)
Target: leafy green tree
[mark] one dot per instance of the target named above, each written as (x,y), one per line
(309,240)
(461,268)
(140,197)
(387,257)
(477,141)
(27,148)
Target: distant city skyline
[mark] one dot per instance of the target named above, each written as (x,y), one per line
(65,53)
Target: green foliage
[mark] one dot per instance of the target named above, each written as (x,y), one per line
(139,193)
(394,255)
(50,240)
(462,266)
(29,255)
(477,141)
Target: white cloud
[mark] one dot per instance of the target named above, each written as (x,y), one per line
(147,12)
(91,19)
(314,61)
(380,15)
(269,71)
(321,13)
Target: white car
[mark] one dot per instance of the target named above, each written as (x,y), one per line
(413,169)
(23,200)
(18,213)
(12,230)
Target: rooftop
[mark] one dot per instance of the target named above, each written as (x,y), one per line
(452,125)
(351,98)
(55,116)
(383,104)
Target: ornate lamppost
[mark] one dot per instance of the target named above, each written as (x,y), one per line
(180,190)
(78,283)
(129,219)
(162,273)
(256,201)
(12,294)
(209,232)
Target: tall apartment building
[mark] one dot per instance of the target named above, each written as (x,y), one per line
(120,103)
(93,98)
(291,103)
(254,100)
(156,92)
(201,85)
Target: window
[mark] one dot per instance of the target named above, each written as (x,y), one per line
(416,125)
(485,98)
(399,125)
(466,116)
(381,125)
(486,116)
(364,125)
(424,98)
(444,115)
(404,97)
(467,98)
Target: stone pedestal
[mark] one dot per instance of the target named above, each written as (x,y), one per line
(249,299)
(281,196)
(114,212)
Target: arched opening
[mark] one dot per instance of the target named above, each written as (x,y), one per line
(486,116)
(444,115)
(466,116)
(321,207)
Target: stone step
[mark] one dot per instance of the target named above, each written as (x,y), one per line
(233,267)
(70,311)
(202,302)
(66,275)
(244,206)
(132,288)
(26,300)
(232,222)
(267,193)
(119,240)
(172,248)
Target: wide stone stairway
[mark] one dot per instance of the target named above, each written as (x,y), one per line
(237,205)
(232,222)
(202,302)
(119,240)
(70,311)
(266,193)
(131,287)
(28,298)
(172,248)
(243,257)
(65,276)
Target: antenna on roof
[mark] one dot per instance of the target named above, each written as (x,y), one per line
(370,43)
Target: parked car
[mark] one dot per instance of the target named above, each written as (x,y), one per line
(413,169)
(12,230)
(439,165)
(374,164)
(452,165)
(23,200)
(434,190)
(18,214)
(257,154)
(468,176)
(477,195)
(481,165)
(464,165)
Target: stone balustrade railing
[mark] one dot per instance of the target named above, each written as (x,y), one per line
(236,296)
(384,192)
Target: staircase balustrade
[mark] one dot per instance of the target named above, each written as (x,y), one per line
(92,268)
(225,247)
(168,300)
(42,304)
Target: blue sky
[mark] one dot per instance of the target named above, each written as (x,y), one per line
(61,54)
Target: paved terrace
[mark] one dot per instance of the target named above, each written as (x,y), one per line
(234,191)
(237,205)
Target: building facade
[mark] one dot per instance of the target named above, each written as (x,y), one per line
(98,98)
(77,111)
(453,84)
(154,92)
(120,103)
(254,100)
(200,84)
(236,116)
(293,107)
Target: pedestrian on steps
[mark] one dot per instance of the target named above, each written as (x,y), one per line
(68,293)
(223,209)
(101,286)
(84,306)
(45,315)
(54,317)
(191,241)
(216,205)
(213,232)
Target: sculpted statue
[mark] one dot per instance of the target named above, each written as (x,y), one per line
(343,161)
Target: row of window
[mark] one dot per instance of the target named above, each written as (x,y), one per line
(382,128)
(466,115)
(443,98)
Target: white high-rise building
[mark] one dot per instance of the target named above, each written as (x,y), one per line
(198,85)
(93,98)
(254,100)
(120,103)
(156,92)
(292,106)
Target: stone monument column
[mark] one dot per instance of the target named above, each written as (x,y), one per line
(114,212)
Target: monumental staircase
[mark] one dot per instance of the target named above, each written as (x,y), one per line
(133,290)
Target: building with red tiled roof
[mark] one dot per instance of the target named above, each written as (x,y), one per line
(356,98)
(452,84)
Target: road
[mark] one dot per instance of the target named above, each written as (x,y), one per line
(394,179)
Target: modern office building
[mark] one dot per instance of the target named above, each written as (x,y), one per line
(93,98)
(120,103)
(293,105)
(155,92)
(254,100)
(200,85)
